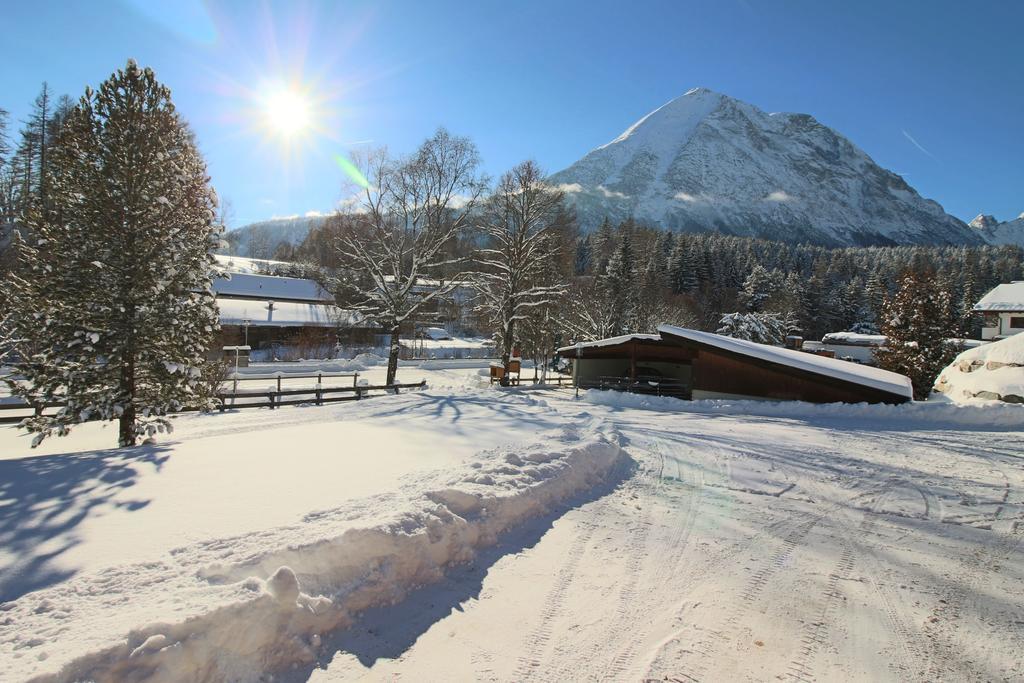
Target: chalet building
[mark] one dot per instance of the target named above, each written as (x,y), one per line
(268,312)
(1003,311)
(700,365)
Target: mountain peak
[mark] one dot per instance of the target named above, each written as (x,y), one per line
(983,222)
(705,161)
(672,122)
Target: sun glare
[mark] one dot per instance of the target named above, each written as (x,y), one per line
(288,112)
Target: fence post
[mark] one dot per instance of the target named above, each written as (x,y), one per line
(279,381)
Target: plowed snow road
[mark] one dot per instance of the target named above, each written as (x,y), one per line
(740,547)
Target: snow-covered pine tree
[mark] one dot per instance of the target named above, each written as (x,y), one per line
(619,283)
(759,286)
(915,321)
(517,224)
(763,328)
(115,310)
(602,243)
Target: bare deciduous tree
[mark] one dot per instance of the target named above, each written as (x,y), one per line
(517,225)
(396,236)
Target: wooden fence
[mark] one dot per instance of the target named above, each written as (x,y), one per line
(272,398)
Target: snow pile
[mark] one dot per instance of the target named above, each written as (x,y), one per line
(239,608)
(854,339)
(361,362)
(929,413)
(990,372)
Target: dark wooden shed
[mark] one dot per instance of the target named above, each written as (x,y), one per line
(693,364)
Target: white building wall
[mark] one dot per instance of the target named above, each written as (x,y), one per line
(1003,328)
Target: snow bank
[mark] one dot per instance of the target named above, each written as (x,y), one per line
(363,361)
(936,413)
(990,372)
(261,602)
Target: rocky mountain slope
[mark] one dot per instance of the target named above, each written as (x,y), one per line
(706,161)
(994,232)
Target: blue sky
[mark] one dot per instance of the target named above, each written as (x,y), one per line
(931,90)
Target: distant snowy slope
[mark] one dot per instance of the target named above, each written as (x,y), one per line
(706,161)
(994,232)
(292,229)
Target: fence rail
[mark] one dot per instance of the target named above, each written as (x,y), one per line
(316,396)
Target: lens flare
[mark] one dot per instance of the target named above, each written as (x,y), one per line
(352,171)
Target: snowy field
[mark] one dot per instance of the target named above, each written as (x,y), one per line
(467,533)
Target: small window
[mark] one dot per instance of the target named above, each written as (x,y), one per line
(1017,322)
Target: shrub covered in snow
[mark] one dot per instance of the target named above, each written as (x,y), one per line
(993,372)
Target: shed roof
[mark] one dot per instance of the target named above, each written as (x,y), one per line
(1004,297)
(611,341)
(270,287)
(864,375)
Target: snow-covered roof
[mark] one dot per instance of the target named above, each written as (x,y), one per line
(1005,297)
(854,339)
(864,375)
(611,341)
(242,264)
(270,287)
(450,343)
(437,333)
(284,314)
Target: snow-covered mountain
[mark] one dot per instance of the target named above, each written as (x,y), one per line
(706,161)
(292,229)
(994,232)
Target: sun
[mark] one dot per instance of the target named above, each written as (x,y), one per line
(287,111)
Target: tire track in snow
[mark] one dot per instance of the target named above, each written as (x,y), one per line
(912,658)
(816,632)
(795,530)
(540,638)
(632,619)
(976,569)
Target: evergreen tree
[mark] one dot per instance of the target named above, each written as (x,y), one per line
(915,321)
(113,296)
(758,288)
(602,243)
(581,257)
(763,328)
(619,284)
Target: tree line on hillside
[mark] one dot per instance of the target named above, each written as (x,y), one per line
(628,278)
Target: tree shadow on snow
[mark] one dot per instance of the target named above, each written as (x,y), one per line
(44,499)
(388,632)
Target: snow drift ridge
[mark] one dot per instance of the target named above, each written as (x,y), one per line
(268,600)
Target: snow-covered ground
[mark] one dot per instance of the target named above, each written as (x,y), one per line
(468,533)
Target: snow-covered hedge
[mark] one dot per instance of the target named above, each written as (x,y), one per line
(990,372)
